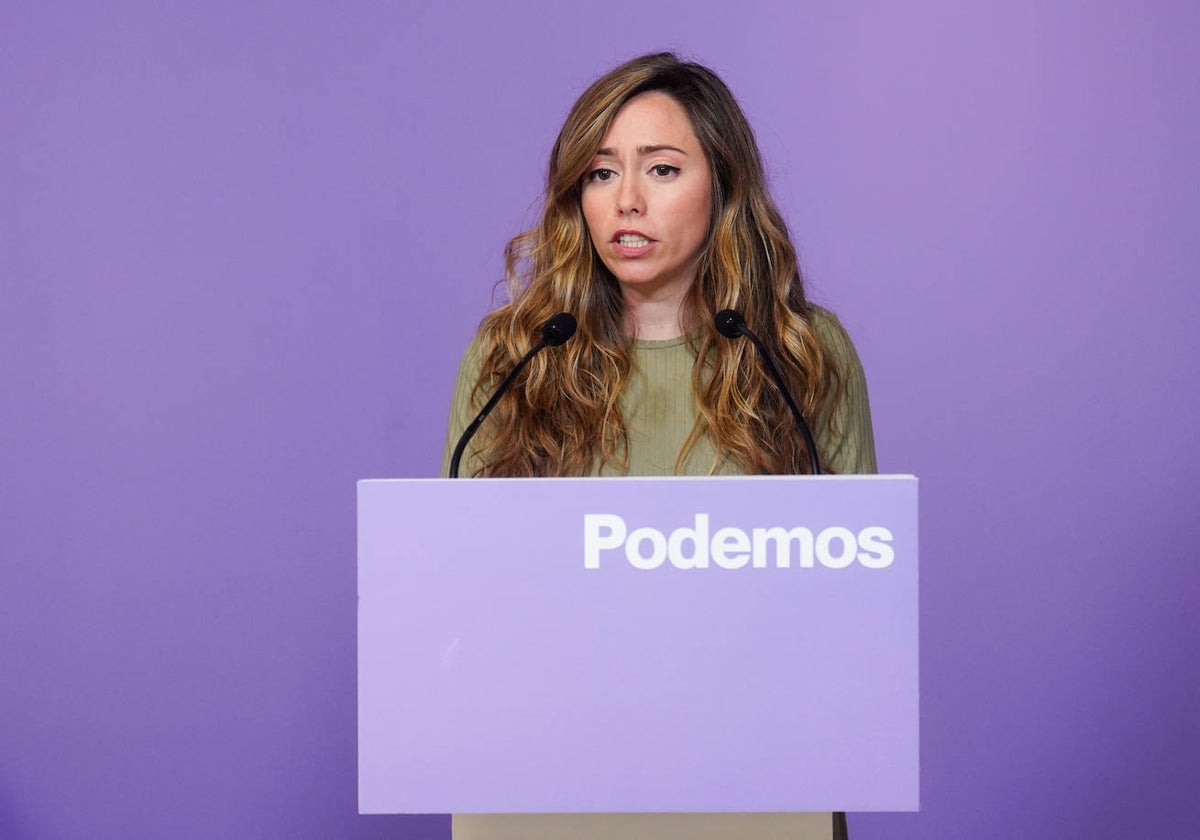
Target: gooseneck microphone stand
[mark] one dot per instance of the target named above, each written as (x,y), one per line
(555,332)
(731,324)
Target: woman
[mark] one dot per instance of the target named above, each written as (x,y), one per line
(657,217)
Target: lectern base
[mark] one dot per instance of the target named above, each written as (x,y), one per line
(808,826)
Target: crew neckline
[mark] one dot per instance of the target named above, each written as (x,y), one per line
(659,343)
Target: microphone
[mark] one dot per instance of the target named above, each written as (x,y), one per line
(731,324)
(558,330)
(555,332)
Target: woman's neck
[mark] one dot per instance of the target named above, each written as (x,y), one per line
(654,317)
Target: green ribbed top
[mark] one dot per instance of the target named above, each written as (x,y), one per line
(660,409)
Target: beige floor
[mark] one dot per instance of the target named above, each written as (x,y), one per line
(643,826)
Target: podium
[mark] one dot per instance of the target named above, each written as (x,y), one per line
(638,645)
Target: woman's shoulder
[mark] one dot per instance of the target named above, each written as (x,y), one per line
(470,365)
(827,325)
(847,443)
(833,338)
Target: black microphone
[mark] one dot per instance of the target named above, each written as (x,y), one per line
(731,324)
(555,332)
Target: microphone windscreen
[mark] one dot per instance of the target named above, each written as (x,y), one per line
(730,323)
(558,329)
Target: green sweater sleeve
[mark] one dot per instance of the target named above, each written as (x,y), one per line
(847,443)
(462,412)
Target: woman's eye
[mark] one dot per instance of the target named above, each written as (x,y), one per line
(662,170)
(600,174)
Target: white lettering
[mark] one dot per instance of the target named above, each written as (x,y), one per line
(876,552)
(698,536)
(688,548)
(658,548)
(783,540)
(731,548)
(849,547)
(595,541)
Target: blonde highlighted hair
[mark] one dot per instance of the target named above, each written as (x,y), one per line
(564,416)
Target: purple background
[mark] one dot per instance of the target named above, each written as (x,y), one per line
(243,244)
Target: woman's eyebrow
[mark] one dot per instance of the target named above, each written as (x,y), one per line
(642,150)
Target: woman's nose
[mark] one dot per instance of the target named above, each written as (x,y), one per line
(630,198)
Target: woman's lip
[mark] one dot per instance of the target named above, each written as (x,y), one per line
(616,237)
(631,250)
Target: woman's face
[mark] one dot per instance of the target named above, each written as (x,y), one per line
(647,197)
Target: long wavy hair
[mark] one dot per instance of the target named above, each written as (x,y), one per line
(564,416)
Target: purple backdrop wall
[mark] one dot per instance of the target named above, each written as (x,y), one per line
(241,248)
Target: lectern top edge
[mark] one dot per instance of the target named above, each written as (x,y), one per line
(666,478)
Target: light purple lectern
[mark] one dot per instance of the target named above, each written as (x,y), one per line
(637,644)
